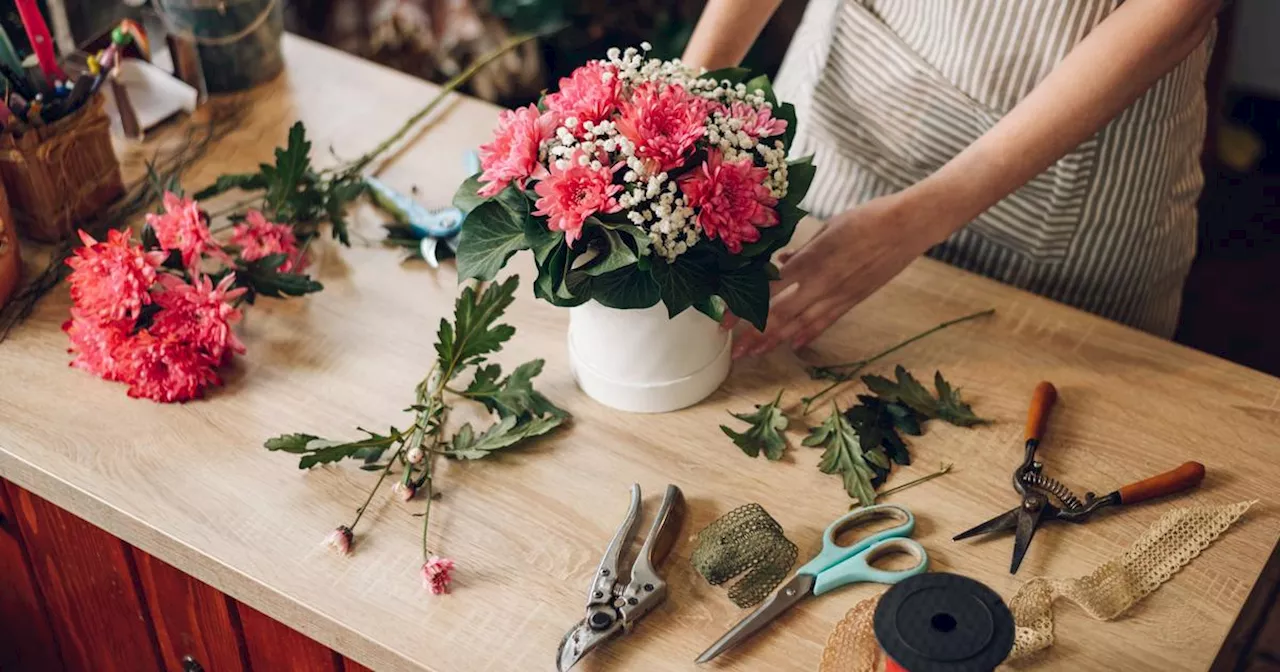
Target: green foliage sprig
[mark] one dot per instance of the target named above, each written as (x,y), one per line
(462,345)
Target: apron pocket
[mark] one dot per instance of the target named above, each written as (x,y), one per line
(889,111)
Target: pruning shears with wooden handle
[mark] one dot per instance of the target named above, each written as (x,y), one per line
(1045,498)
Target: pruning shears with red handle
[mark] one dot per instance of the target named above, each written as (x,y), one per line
(1045,498)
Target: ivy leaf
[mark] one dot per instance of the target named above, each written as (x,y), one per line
(262,277)
(800,174)
(787,112)
(764,434)
(490,234)
(467,197)
(225,183)
(843,455)
(507,432)
(472,334)
(626,288)
(746,293)
(315,450)
(951,408)
(711,306)
(513,395)
(683,282)
(614,255)
(906,390)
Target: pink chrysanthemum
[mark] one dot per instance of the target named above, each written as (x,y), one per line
(111,280)
(731,199)
(663,122)
(165,369)
(568,196)
(258,238)
(512,155)
(200,314)
(589,93)
(340,540)
(96,343)
(437,574)
(182,227)
(757,122)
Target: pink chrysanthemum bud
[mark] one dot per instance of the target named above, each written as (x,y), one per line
(437,574)
(416,455)
(404,491)
(340,540)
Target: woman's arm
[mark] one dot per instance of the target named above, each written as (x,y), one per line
(726,31)
(1114,65)
(863,248)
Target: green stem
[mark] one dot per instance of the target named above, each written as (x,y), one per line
(863,363)
(448,87)
(385,470)
(426,517)
(943,469)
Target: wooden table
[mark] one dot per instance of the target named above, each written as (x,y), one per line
(192,484)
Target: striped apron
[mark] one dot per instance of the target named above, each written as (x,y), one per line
(887,91)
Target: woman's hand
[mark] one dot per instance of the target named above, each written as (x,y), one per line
(856,253)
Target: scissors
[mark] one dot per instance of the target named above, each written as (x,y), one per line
(835,566)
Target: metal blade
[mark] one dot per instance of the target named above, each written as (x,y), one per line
(787,596)
(1005,521)
(580,640)
(1028,521)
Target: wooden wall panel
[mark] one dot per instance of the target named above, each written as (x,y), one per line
(349,665)
(27,642)
(90,589)
(191,618)
(273,646)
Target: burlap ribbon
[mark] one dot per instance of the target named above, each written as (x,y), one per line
(1105,593)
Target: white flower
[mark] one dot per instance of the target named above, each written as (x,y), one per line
(571,122)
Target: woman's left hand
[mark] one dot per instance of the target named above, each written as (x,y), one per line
(856,253)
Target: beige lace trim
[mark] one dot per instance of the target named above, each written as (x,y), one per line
(1105,593)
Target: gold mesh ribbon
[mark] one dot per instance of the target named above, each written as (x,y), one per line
(746,541)
(1105,593)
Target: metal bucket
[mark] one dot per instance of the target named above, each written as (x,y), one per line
(238,41)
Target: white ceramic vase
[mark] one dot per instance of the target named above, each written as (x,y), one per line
(643,361)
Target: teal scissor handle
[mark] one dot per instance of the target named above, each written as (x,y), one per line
(833,553)
(858,569)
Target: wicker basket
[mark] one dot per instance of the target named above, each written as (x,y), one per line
(10,262)
(60,174)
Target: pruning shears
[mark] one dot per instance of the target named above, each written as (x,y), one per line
(1045,498)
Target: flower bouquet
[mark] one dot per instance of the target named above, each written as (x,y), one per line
(641,182)
(157,313)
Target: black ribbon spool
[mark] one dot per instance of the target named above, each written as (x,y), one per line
(944,623)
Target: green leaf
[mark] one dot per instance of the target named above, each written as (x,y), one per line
(843,455)
(683,282)
(951,408)
(746,293)
(340,196)
(626,288)
(906,390)
(315,450)
(472,334)
(507,432)
(712,307)
(734,75)
(225,183)
(490,234)
(787,112)
(764,433)
(467,197)
(612,254)
(292,164)
(513,395)
(542,240)
(800,175)
(262,277)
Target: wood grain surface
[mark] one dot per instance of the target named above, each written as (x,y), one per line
(27,642)
(192,485)
(273,646)
(88,583)
(191,618)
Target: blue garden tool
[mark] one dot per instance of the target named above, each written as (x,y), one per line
(835,566)
(417,226)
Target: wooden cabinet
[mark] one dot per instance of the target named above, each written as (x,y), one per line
(74,598)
